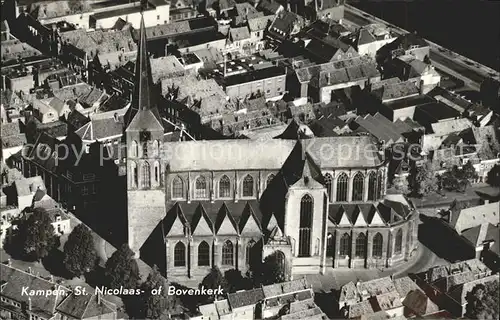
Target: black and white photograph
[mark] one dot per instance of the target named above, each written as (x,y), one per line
(249,159)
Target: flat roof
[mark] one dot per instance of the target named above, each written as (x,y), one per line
(256,75)
(409,102)
(119,12)
(439,111)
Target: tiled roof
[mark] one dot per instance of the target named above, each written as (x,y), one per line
(405,285)
(419,303)
(85,306)
(165,30)
(259,23)
(360,309)
(100,41)
(475,216)
(73,92)
(387,91)
(14,280)
(28,186)
(245,298)
(381,127)
(238,34)
(11,135)
(53,9)
(459,293)
(14,49)
(165,67)
(315,145)
(215,213)
(101,128)
(243,154)
(278,289)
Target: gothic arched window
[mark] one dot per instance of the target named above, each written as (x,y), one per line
(228,253)
(328,182)
(410,234)
(203,254)
(180,255)
(398,246)
(280,260)
(378,241)
(360,246)
(345,245)
(177,188)
(157,171)
(224,187)
(249,252)
(380,184)
(357,187)
(269,179)
(248,186)
(156,148)
(330,247)
(200,187)
(372,186)
(342,181)
(134,175)
(146,175)
(306,213)
(134,149)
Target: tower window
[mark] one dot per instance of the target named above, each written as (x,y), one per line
(146,175)
(157,172)
(306,208)
(134,150)
(328,182)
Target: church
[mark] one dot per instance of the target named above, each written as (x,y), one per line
(315,203)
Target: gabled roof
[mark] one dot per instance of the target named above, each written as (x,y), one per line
(475,216)
(13,282)
(215,212)
(200,214)
(419,303)
(238,34)
(86,306)
(245,298)
(259,23)
(224,215)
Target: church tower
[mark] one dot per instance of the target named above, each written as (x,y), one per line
(145,167)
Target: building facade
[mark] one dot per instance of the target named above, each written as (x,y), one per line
(315,203)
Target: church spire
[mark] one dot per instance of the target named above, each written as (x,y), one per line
(144,95)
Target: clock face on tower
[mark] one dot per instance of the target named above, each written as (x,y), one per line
(145,136)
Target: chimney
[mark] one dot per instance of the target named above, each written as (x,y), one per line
(328,77)
(52,278)
(98,298)
(29,270)
(29,303)
(9,263)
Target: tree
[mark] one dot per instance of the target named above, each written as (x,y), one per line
(214,279)
(122,269)
(272,270)
(468,172)
(493,177)
(80,254)
(401,185)
(35,235)
(422,180)
(160,305)
(483,301)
